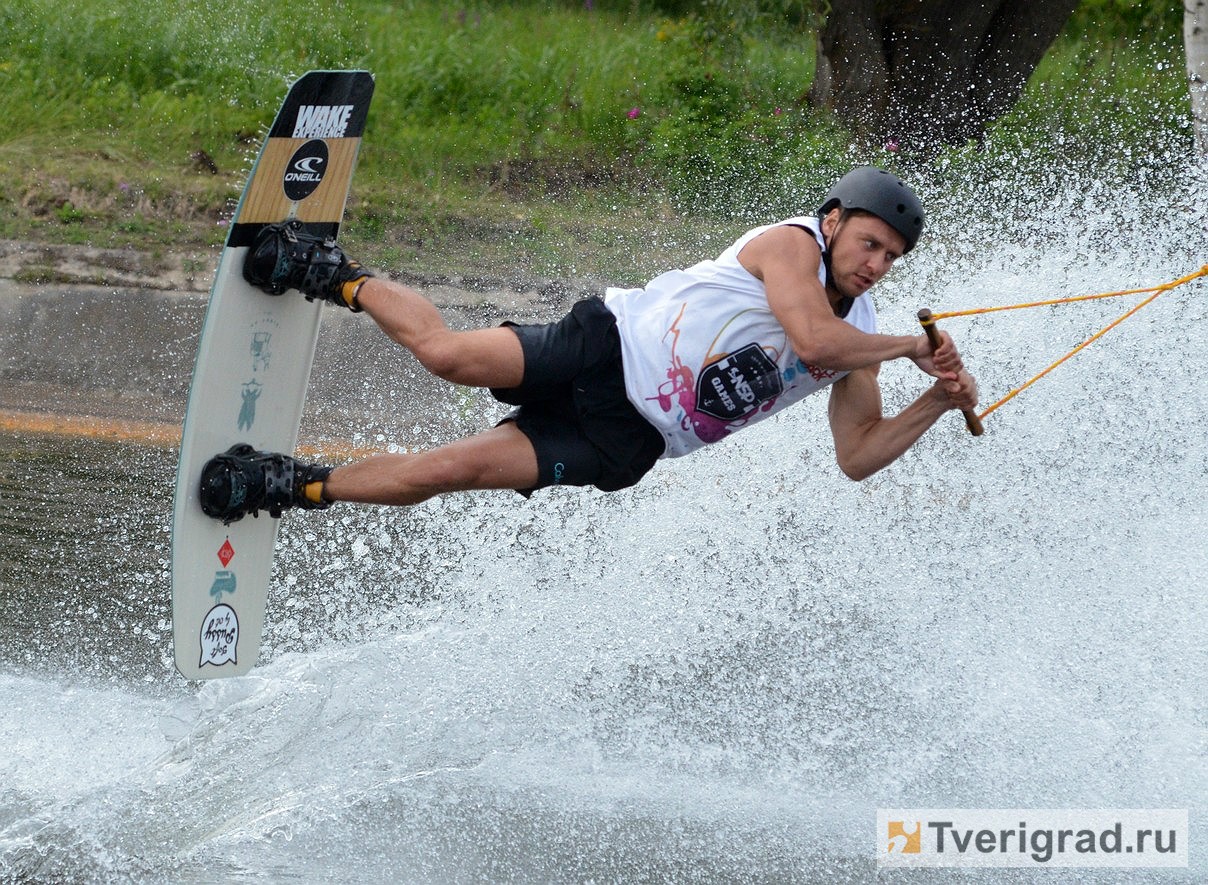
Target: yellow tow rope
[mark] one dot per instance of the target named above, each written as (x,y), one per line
(928,319)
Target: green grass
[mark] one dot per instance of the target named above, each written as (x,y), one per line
(545,139)
(1102,103)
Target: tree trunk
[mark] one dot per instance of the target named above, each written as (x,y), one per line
(1195,38)
(930,72)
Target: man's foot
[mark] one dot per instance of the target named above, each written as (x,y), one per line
(284,256)
(242,481)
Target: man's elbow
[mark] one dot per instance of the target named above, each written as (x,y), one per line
(820,353)
(856,470)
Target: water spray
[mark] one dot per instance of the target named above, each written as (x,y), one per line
(928,319)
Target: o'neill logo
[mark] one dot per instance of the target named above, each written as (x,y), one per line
(305,170)
(322,121)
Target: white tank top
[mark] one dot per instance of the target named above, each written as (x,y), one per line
(703,354)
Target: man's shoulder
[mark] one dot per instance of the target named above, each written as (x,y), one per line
(785,243)
(791,235)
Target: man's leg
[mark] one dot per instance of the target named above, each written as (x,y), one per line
(499,458)
(477,358)
(242,481)
(285,256)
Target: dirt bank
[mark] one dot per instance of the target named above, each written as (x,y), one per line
(51,264)
(46,263)
(112,333)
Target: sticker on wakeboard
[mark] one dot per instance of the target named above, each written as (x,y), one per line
(220,637)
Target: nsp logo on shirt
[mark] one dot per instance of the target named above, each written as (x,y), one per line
(733,387)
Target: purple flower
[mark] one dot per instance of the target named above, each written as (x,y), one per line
(634,113)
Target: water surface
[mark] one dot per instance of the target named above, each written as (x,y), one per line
(717,676)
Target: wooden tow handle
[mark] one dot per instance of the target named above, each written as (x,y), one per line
(933,335)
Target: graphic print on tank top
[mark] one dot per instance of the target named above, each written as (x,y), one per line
(704,354)
(730,389)
(733,387)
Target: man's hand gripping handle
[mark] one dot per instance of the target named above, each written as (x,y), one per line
(933,335)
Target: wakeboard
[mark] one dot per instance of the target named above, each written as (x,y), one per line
(253,363)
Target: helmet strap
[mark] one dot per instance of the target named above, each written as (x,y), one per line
(843,308)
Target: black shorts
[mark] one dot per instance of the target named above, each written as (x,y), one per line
(572,403)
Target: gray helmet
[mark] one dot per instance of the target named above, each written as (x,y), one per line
(884,195)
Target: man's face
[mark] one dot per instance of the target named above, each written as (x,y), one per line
(864,249)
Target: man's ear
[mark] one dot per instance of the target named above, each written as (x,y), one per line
(830,221)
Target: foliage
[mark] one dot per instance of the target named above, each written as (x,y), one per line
(1110,94)
(527,117)
(1125,19)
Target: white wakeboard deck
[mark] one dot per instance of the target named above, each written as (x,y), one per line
(253,364)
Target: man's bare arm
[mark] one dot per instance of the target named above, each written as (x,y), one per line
(786,260)
(865,440)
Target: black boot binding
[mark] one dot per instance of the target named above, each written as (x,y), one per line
(242,481)
(284,256)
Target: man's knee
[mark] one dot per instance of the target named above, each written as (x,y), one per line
(440,355)
(477,358)
(500,458)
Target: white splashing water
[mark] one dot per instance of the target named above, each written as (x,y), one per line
(723,673)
